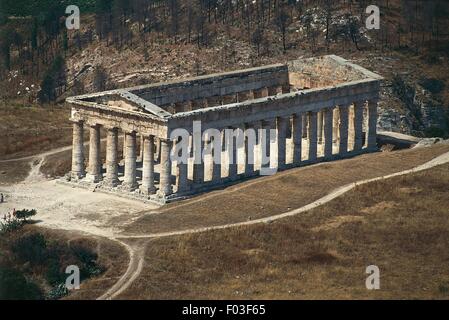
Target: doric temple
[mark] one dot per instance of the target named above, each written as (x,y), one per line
(322,109)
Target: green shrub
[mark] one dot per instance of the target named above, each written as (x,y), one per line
(88,260)
(30,248)
(54,275)
(433,132)
(10,226)
(24,214)
(14,286)
(57,292)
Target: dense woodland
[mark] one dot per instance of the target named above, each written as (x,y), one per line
(35,43)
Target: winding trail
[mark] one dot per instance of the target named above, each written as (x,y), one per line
(137,256)
(136,250)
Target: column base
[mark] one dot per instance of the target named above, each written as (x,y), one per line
(94,178)
(111,182)
(148,190)
(163,194)
(76,176)
(129,187)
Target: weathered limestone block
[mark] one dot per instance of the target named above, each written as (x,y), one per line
(165,187)
(112,157)
(182,181)
(148,186)
(78,171)
(320,126)
(94,172)
(343,130)
(336,123)
(265,141)
(198,164)
(372,125)
(281,126)
(328,130)
(305,124)
(312,133)
(130,179)
(358,125)
(351,128)
(297,131)
(232,153)
(250,144)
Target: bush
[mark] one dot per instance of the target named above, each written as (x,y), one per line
(57,292)
(14,286)
(88,259)
(24,214)
(434,132)
(54,275)
(31,247)
(10,226)
(432,85)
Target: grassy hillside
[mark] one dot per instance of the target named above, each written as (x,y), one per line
(401,225)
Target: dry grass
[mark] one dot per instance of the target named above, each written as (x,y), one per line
(27,130)
(13,172)
(279,193)
(400,225)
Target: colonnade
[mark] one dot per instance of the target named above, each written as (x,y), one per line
(300,138)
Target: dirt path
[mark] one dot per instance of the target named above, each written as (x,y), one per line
(70,208)
(135,266)
(137,256)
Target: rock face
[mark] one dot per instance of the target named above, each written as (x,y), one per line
(424,113)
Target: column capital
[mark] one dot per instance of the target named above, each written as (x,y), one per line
(76,121)
(129,131)
(93,125)
(110,127)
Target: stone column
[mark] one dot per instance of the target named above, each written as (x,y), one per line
(112,157)
(265,143)
(130,179)
(343,130)
(372,125)
(257,128)
(312,133)
(250,143)
(320,126)
(305,123)
(216,167)
(328,131)
(182,170)
(351,128)
(141,148)
(232,153)
(78,170)
(165,187)
(336,121)
(297,138)
(281,128)
(212,169)
(358,125)
(148,186)
(198,164)
(94,155)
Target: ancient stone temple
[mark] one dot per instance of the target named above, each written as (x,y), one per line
(320,109)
